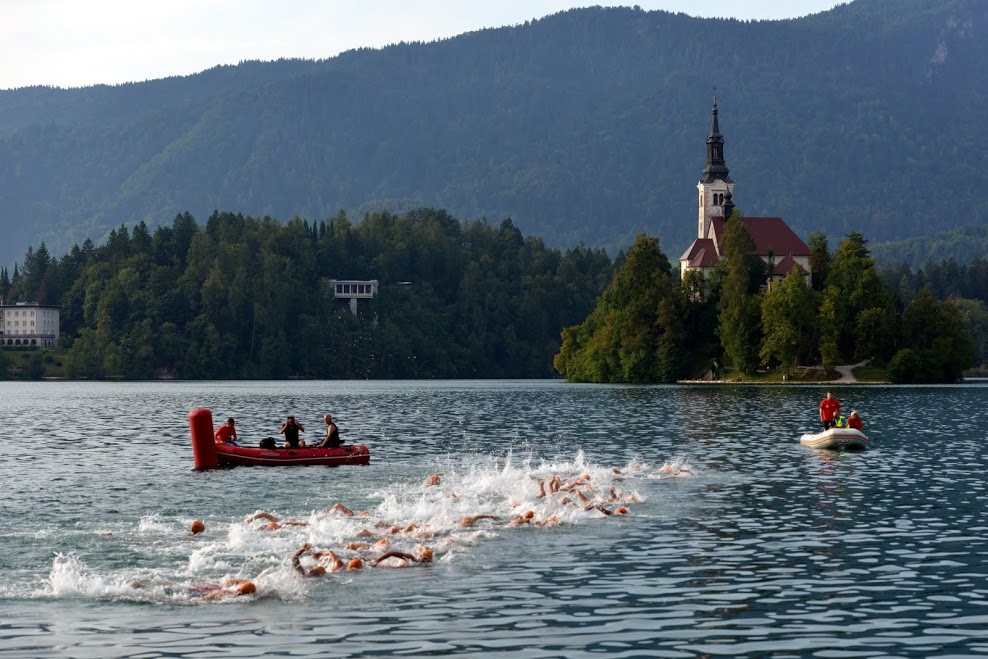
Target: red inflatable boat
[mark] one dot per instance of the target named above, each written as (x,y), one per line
(210,455)
(355,454)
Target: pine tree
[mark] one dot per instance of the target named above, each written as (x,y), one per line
(740,307)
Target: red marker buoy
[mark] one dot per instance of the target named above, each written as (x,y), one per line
(203,443)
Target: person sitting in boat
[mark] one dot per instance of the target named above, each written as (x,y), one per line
(227,433)
(829,410)
(854,421)
(332,438)
(290,429)
(840,421)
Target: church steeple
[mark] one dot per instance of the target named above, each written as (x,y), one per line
(715,186)
(716,169)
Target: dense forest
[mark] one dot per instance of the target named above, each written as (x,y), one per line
(584,126)
(962,245)
(649,326)
(242,297)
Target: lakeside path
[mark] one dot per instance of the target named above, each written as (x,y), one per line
(846,377)
(846,372)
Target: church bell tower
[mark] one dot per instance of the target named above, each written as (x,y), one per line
(715,186)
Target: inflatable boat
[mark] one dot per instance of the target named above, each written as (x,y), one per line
(210,455)
(232,454)
(848,439)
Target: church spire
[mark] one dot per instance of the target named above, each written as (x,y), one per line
(716,169)
(716,189)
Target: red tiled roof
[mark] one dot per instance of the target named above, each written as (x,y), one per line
(772,233)
(787,265)
(769,234)
(701,254)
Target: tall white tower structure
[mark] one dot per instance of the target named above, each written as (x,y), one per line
(715,187)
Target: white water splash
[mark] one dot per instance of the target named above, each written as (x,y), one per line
(451,513)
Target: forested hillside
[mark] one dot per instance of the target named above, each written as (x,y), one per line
(588,125)
(964,245)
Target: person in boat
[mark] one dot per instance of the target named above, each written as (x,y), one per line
(829,411)
(854,421)
(332,438)
(227,433)
(840,421)
(290,429)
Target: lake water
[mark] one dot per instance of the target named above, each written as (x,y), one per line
(760,547)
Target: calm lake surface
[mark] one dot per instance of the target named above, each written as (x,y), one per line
(760,547)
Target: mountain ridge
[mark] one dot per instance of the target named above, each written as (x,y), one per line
(584,126)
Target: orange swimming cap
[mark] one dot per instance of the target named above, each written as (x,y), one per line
(197,527)
(246,588)
(355,564)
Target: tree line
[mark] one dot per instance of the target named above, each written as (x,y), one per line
(244,297)
(651,326)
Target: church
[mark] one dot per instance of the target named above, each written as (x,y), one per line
(775,242)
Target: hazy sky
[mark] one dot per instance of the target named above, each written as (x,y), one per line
(74,43)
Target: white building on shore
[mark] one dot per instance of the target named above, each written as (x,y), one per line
(352,290)
(29,324)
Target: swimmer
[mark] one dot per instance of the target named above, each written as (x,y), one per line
(316,571)
(340,508)
(551,520)
(576,483)
(229,588)
(274,523)
(555,484)
(470,520)
(424,556)
(678,471)
(197,527)
(433,480)
(525,518)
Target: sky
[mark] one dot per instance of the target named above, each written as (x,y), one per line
(77,43)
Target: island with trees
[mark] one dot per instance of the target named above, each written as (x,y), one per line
(245,298)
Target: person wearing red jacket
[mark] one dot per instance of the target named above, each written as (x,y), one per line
(227,433)
(829,409)
(854,421)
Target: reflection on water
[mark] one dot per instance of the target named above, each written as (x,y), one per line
(771,549)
